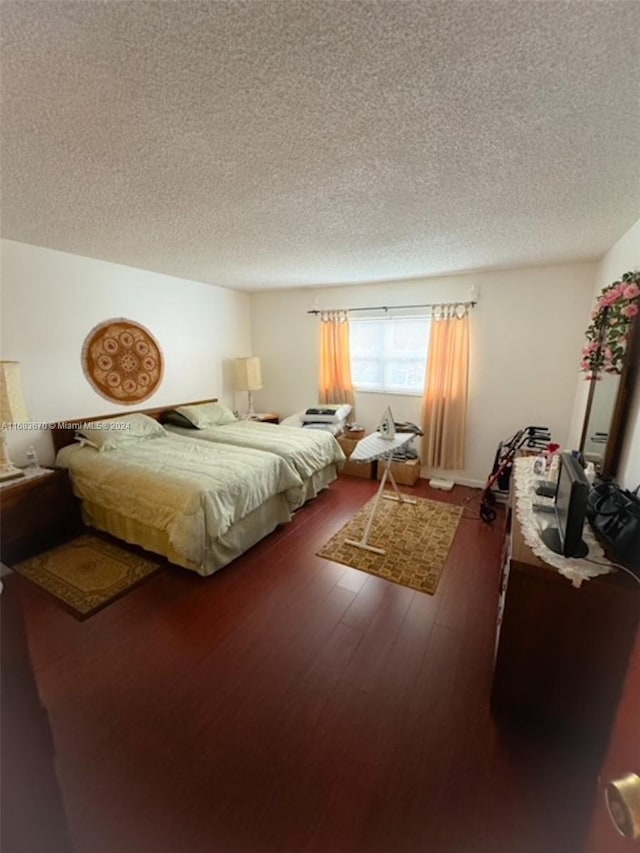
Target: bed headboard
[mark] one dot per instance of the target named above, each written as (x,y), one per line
(63,432)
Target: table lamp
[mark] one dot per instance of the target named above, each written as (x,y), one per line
(249,378)
(13,409)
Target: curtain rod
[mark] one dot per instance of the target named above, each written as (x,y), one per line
(393,307)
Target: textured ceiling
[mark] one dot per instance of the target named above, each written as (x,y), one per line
(283,143)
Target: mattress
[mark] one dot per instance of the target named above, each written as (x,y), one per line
(307,452)
(189,495)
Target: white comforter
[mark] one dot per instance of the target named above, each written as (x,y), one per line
(192,490)
(308,451)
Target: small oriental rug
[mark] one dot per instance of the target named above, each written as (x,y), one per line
(416,537)
(87,573)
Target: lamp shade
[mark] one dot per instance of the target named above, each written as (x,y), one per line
(13,408)
(248,374)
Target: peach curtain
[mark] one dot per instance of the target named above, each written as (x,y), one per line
(335,359)
(446,390)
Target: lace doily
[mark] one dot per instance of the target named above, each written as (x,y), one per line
(532,522)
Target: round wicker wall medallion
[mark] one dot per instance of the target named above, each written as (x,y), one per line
(122,360)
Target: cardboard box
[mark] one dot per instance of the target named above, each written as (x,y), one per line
(365,470)
(355,434)
(347,444)
(404,473)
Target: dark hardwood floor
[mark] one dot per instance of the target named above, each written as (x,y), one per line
(293,705)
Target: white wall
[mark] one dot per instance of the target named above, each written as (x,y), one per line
(50,302)
(526,337)
(623,257)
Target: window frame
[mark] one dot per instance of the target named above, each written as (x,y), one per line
(388,355)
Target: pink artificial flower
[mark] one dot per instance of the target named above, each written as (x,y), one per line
(631,310)
(630,291)
(612,297)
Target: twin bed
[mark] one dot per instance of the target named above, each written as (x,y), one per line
(199,496)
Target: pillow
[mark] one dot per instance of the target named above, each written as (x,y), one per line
(116,432)
(330,413)
(176,419)
(207,414)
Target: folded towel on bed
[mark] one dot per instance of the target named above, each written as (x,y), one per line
(330,413)
(296,421)
(324,410)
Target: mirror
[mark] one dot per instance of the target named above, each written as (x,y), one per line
(597,422)
(607,409)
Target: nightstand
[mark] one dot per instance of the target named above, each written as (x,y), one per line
(36,512)
(266,418)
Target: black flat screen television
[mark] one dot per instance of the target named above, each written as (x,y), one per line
(565,536)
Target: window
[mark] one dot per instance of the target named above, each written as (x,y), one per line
(389,354)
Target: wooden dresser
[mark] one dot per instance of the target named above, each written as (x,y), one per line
(36,512)
(561,652)
(33,816)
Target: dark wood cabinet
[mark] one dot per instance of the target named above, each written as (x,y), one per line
(32,816)
(36,512)
(561,651)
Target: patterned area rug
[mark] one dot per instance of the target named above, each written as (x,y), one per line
(416,538)
(87,573)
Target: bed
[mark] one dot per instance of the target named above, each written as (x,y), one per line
(315,455)
(198,504)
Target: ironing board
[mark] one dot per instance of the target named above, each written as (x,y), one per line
(370,449)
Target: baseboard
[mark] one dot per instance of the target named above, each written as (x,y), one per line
(472,484)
